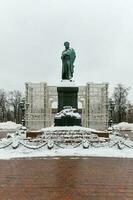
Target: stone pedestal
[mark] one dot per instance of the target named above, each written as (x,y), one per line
(67,96)
(67,121)
(67,105)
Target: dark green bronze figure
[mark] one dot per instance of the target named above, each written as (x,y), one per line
(68,58)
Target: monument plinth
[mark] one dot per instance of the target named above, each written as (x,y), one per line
(67,95)
(67,105)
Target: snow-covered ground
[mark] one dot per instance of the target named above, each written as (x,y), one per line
(17,146)
(70,128)
(9,125)
(123,126)
(95,152)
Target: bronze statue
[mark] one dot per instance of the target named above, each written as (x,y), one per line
(68,58)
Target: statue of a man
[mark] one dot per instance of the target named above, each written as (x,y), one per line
(68,58)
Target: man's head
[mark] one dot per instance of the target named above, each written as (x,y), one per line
(66,44)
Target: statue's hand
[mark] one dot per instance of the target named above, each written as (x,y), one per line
(66,53)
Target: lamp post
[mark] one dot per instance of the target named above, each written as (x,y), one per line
(22,106)
(111,109)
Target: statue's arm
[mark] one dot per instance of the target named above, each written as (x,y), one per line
(62,55)
(73,55)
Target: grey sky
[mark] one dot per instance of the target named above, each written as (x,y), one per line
(32,33)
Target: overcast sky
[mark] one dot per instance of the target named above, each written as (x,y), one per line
(32,33)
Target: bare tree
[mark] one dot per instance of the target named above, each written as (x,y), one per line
(3,102)
(14,101)
(120,98)
(130,113)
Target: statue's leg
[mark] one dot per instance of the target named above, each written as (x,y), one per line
(64,72)
(69,69)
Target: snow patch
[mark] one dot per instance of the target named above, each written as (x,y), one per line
(9,125)
(69,128)
(123,126)
(70,112)
(95,152)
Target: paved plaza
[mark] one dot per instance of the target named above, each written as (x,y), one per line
(66,178)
